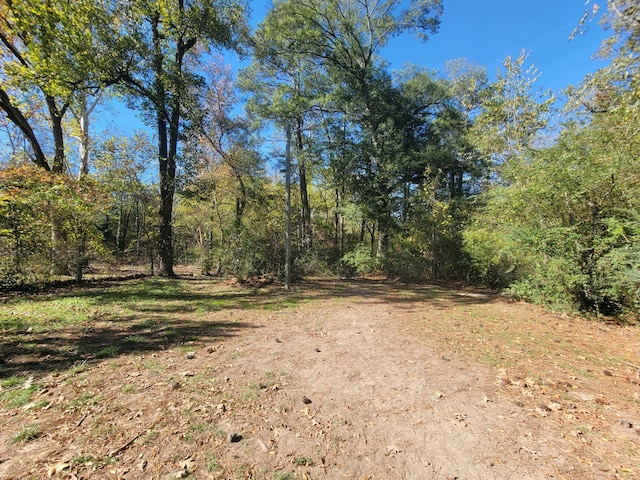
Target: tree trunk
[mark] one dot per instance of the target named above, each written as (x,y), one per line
(84,145)
(307,229)
(16,116)
(383,244)
(56,115)
(167,189)
(60,258)
(166,161)
(336,220)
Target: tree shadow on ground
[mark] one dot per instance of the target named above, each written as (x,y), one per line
(398,294)
(138,316)
(39,354)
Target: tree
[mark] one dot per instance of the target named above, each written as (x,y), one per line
(84,106)
(56,51)
(344,39)
(120,164)
(286,88)
(52,52)
(31,197)
(169,39)
(225,171)
(513,116)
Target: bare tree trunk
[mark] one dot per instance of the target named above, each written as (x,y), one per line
(84,146)
(336,219)
(307,229)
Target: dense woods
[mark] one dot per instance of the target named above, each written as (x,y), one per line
(419,175)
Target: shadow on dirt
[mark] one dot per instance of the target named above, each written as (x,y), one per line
(399,293)
(145,315)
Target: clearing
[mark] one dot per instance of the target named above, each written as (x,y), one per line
(335,379)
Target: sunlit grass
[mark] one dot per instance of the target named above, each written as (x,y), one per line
(26,434)
(17,391)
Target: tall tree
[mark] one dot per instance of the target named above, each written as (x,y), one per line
(53,51)
(345,38)
(286,88)
(171,36)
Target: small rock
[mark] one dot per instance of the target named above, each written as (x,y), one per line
(626,423)
(182,474)
(175,385)
(446,359)
(306,400)
(210,350)
(191,355)
(142,465)
(607,373)
(278,340)
(318,350)
(234,437)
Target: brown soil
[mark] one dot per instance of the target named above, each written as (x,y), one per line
(356,379)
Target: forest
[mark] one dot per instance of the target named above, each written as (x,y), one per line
(417,175)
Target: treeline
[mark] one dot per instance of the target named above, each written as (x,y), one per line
(421,175)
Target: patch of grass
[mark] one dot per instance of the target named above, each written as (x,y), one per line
(85,400)
(13,381)
(26,434)
(211,463)
(146,324)
(43,314)
(148,437)
(78,368)
(169,334)
(302,461)
(136,339)
(81,460)
(131,388)
(154,366)
(284,476)
(17,391)
(110,351)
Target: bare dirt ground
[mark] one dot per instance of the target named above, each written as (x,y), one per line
(358,379)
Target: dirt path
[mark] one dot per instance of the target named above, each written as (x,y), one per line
(384,405)
(340,387)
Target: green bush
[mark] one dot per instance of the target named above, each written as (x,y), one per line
(360,261)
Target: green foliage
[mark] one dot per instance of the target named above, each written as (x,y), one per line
(31,202)
(17,391)
(360,261)
(406,261)
(567,228)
